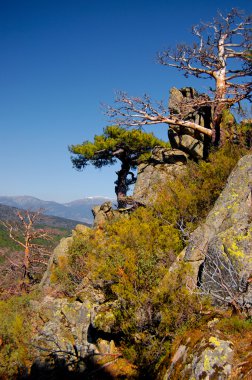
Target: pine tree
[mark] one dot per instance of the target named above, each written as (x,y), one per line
(130,147)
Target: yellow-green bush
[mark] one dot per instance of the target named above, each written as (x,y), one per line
(15,336)
(235,325)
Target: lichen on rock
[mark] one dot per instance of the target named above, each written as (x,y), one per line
(222,246)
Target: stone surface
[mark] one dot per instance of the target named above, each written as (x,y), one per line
(59,256)
(201,355)
(82,229)
(186,139)
(65,327)
(190,144)
(226,238)
(103,213)
(215,361)
(164,164)
(74,329)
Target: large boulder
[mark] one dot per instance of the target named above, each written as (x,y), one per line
(190,141)
(103,213)
(220,250)
(164,164)
(68,340)
(59,256)
(208,353)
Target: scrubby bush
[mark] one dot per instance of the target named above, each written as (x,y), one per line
(235,325)
(15,337)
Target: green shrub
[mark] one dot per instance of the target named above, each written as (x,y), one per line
(235,325)
(15,336)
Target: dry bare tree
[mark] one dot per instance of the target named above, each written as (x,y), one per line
(221,278)
(32,240)
(221,52)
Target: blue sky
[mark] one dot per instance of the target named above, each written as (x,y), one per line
(60,60)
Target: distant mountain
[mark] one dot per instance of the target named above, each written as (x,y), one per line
(8,213)
(79,210)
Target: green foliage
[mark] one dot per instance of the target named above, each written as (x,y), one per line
(6,241)
(136,145)
(129,259)
(130,253)
(130,147)
(15,336)
(132,249)
(235,325)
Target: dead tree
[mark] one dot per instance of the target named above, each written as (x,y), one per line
(25,234)
(221,52)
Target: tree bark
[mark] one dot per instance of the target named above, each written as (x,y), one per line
(221,89)
(26,261)
(121,183)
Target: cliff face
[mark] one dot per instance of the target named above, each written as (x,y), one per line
(220,250)
(220,255)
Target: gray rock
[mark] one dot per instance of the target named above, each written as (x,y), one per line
(215,360)
(190,141)
(60,254)
(65,328)
(221,249)
(210,358)
(179,140)
(103,213)
(164,164)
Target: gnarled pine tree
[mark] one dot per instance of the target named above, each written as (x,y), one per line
(130,147)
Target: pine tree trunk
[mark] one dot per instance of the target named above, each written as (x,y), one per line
(121,184)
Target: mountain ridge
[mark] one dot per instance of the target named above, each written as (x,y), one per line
(78,210)
(9,213)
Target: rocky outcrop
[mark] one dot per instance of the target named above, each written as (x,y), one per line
(57,258)
(220,250)
(77,332)
(208,353)
(60,253)
(103,213)
(64,327)
(190,141)
(74,339)
(212,358)
(164,164)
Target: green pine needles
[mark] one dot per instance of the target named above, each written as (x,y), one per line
(130,147)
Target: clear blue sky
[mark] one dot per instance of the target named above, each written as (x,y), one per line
(60,60)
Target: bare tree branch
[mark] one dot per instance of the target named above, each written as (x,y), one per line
(26,235)
(138,112)
(220,44)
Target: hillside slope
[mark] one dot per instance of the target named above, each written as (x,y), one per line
(79,210)
(10,213)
